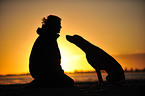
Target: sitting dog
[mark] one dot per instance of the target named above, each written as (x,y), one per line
(99,60)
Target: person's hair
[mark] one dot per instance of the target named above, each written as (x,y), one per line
(50,20)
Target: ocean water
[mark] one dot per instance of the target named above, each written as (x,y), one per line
(77,77)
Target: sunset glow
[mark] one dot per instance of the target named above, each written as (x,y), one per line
(116,26)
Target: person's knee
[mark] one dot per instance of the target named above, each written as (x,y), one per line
(71,82)
(68,81)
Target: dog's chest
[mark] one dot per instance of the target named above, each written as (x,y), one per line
(94,60)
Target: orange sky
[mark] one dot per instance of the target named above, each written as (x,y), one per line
(116,26)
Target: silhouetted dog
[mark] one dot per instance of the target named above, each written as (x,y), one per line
(99,60)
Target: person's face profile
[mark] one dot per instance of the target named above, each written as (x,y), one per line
(58,27)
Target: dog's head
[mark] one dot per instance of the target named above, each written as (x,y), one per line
(73,39)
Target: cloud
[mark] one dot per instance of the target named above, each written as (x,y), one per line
(132,60)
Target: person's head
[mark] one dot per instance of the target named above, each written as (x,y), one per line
(51,24)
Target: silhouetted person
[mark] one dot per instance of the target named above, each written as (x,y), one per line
(99,60)
(45,58)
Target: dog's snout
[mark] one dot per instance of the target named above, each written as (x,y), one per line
(68,37)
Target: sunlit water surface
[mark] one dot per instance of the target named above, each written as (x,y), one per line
(77,77)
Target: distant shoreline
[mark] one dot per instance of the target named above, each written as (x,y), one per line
(77,72)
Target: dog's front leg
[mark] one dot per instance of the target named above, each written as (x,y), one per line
(99,77)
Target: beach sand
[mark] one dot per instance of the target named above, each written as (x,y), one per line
(129,88)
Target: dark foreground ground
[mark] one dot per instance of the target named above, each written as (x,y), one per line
(129,88)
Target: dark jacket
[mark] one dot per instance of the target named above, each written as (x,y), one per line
(45,57)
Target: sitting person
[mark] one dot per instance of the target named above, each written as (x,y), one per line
(45,57)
